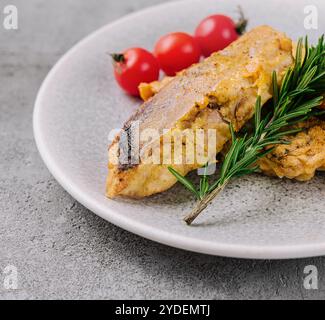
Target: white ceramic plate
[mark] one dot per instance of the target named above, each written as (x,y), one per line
(79,103)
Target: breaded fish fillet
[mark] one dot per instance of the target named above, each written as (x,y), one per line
(221,89)
(302,157)
(300,161)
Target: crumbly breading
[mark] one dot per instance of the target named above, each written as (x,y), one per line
(302,157)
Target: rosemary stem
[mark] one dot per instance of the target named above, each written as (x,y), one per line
(203,204)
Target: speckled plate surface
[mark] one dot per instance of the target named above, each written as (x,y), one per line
(79,103)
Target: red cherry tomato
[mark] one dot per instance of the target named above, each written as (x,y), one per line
(134,66)
(215,33)
(177,51)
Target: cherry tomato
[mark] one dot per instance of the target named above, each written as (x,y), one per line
(215,33)
(134,66)
(177,51)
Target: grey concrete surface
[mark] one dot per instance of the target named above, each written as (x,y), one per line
(60,249)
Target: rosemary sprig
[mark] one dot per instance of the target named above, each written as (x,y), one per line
(296,100)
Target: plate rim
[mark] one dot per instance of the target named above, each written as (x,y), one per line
(138,228)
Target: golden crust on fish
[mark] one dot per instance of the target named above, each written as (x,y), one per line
(138,181)
(223,87)
(302,157)
(148,90)
(275,164)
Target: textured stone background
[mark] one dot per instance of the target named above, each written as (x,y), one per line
(61,249)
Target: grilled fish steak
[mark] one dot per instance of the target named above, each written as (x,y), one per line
(220,90)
